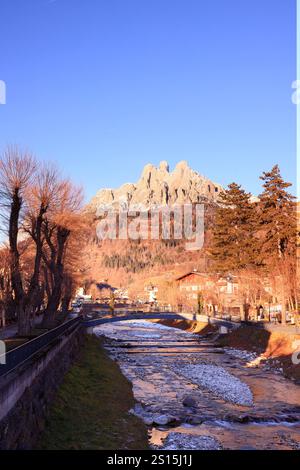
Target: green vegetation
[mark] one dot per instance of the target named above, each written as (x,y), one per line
(249,235)
(139,257)
(91,408)
(234,244)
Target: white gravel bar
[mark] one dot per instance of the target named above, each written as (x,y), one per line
(178,441)
(242,354)
(220,382)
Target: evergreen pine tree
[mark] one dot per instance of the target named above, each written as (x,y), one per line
(277,217)
(278,229)
(234,245)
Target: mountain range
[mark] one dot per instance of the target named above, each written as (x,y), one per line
(158,186)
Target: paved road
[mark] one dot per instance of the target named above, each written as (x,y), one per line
(11,330)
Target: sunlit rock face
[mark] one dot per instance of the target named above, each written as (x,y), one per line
(158,186)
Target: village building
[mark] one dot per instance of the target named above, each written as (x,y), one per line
(152,292)
(220,292)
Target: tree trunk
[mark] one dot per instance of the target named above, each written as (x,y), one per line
(24,326)
(56,267)
(214,311)
(3,318)
(52,306)
(66,302)
(242,313)
(283,312)
(16,278)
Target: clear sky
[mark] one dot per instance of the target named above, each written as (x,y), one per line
(105,86)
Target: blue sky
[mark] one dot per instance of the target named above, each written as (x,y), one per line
(105,86)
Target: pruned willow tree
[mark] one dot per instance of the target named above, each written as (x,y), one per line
(39,212)
(62,231)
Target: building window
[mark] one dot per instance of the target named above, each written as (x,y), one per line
(229,288)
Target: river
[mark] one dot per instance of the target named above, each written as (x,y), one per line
(195,395)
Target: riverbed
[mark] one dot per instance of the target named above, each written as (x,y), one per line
(193,394)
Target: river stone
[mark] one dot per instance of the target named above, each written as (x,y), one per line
(189,402)
(161,420)
(174,421)
(244,419)
(237,418)
(182,441)
(148,420)
(194,420)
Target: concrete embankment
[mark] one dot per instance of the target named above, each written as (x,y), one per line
(191,326)
(28,389)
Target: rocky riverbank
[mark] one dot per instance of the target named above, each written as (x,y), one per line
(270,350)
(193,394)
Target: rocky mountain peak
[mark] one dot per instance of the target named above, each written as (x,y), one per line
(182,166)
(164,166)
(158,186)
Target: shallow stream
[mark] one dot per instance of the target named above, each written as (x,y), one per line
(194,395)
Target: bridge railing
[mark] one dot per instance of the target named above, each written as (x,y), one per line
(21,353)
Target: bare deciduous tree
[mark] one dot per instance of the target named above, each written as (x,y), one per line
(58,229)
(17,171)
(39,210)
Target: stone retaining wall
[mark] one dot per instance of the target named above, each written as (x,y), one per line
(27,392)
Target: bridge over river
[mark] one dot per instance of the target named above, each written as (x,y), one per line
(102,317)
(95,316)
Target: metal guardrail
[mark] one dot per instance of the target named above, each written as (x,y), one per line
(17,356)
